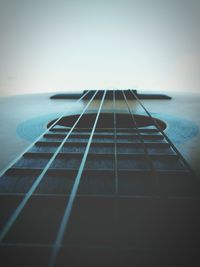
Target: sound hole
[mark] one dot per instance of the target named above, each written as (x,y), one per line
(106,121)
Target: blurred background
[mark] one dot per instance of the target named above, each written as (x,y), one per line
(71,45)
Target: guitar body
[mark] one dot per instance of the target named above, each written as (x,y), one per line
(103,183)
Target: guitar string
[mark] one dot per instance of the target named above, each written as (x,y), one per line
(117,243)
(28,195)
(38,138)
(151,167)
(163,133)
(115,142)
(60,235)
(154,177)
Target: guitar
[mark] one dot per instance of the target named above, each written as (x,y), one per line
(104,184)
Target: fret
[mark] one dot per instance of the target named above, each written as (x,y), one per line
(104,136)
(100,141)
(106,130)
(132,144)
(123,154)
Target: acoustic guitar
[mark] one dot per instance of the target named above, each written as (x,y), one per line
(106,182)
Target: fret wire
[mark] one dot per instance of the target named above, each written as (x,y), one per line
(60,235)
(28,195)
(38,138)
(163,133)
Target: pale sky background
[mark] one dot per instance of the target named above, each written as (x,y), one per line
(60,45)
